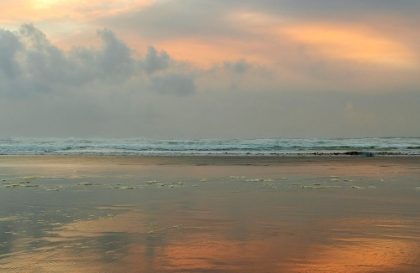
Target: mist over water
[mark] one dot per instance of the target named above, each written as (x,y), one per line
(273,146)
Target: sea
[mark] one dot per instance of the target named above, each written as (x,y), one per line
(390,146)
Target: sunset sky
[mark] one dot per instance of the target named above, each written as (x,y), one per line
(209,68)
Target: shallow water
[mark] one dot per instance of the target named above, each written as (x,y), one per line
(178,215)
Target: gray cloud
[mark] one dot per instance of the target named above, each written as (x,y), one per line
(173,84)
(9,46)
(241,66)
(115,56)
(155,61)
(30,65)
(34,65)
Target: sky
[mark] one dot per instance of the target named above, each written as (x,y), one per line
(209,68)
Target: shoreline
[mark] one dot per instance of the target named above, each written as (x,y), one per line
(232,154)
(206,160)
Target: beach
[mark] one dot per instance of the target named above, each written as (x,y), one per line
(209,214)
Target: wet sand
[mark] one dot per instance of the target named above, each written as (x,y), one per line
(209,214)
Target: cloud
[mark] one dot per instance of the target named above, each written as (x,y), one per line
(115,56)
(265,31)
(174,84)
(61,11)
(327,9)
(207,18)
(155,61)
(241,66)
(30,64)
(377,34)
(113,91)
(173,19)
(9,46)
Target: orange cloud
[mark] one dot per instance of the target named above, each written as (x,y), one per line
(66,23)
(204,54)
(351,43)
(259,37)
(24,11)
(267,38)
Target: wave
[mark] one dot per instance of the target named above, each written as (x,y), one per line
(273,146)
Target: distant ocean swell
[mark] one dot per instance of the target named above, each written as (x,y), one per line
(204,147)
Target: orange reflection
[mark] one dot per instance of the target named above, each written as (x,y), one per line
(161,247)
(209,254)
(361,255)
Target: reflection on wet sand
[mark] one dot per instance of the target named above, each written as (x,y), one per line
(135,241)
(362,255)
(125,244)
(220,225)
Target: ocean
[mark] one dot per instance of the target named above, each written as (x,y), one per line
(212,147)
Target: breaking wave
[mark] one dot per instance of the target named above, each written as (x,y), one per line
(275,146)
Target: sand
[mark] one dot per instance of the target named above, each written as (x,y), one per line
(209,214)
